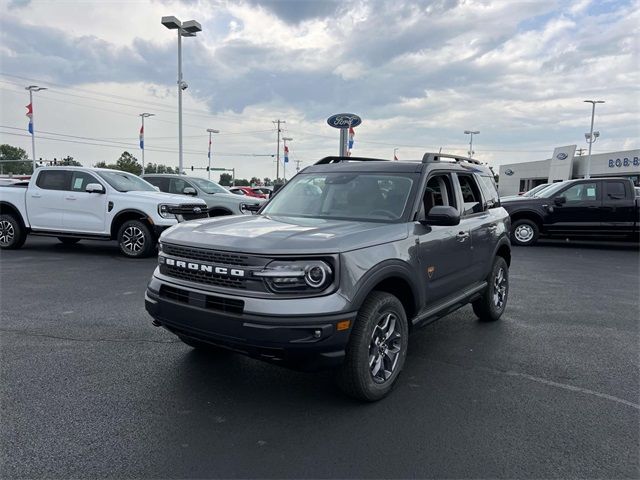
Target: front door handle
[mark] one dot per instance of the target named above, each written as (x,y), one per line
(593,206)
(36,195)
(462,236)
(70,198)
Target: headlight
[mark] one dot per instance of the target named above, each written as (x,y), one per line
(301,275)
(163,211)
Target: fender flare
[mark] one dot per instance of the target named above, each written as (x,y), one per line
(380,272)
(143,216)
(4,205)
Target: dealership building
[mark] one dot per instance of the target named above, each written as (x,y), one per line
(565,165)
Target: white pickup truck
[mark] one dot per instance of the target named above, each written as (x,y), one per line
(73,203)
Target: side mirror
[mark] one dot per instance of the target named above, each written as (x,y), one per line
(190,191)
(560,200)
(94,188)
(443,216)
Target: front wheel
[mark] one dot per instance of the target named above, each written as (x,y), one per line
(377,348)
(12,233)
(493,302)
(135,239)
(524,232)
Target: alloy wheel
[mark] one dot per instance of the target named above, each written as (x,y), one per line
(499,289)
(7,233)
(385,347)
(133,240)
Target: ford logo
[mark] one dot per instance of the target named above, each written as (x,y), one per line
(509,172)
(197,210)
(344,120)
(561,156)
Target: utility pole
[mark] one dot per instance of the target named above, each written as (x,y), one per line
(591,136)
(143,116)
(580,152)
(278,123)
(210,130)
(471,133)
(298,162)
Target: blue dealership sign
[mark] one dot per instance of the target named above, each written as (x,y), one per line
(344,120)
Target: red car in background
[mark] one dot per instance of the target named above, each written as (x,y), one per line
(248,191)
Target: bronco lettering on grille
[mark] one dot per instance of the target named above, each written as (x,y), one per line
(201,267)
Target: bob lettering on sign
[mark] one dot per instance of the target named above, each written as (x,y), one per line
(344,120)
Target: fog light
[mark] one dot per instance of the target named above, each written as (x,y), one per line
(317,333)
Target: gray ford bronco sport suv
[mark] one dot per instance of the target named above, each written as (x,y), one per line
(339,267)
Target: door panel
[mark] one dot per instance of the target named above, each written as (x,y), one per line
(45,200)
(582,211)
(84,212)
(618,212)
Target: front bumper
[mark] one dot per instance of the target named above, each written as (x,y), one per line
(309,342)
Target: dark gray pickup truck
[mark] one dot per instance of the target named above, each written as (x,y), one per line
(339,267)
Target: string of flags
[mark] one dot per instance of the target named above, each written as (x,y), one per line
(30,115)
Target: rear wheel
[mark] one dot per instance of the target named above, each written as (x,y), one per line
(524,232)
(12,233)
(493,302)
(135,239)
(377,348)
(69,240)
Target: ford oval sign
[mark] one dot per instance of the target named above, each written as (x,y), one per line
(561,156)
(509,172)
(344,120)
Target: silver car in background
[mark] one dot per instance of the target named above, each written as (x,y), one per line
(218,199)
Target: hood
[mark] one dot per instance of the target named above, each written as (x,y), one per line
(238,198)
(162,197)
(283,235)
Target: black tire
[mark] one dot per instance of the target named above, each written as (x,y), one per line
(524,232)
(493,302)
(367,348)
(12,233)
(69,240)
(198,345)
(136,240)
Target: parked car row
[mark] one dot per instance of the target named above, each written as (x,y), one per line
(74,203)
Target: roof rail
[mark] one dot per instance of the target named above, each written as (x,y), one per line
(333,159)
(436,157)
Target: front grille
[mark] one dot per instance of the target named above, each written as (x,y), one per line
(189,211)
(194,216)
(205,255)
(202,277)
(210,302)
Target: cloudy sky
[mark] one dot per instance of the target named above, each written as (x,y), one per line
(418,72)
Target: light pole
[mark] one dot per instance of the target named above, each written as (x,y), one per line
(591,136)
(211,131)
(32,128)
(142,117)
(185,29)
(286,157)
(471,133)
(278,123)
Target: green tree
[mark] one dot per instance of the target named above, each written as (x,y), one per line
(254,181)
(68,161)
(21,167)
(242,182)
(267,181)
(128,163)
(225,179)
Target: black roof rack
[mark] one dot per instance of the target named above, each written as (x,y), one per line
(333,159)
(436,157)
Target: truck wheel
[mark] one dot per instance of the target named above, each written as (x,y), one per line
(524,232)
(12,234)
(69,240)
(491,305)
(376,350)
(135,239)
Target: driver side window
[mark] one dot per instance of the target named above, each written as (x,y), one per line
(438,192)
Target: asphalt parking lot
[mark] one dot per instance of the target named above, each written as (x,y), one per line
(90,389)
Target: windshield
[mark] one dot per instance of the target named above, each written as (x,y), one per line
(126,182)
(534,191)
(374,197)
(207,186)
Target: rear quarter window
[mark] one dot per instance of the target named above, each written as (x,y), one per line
(54,180)
(489,191)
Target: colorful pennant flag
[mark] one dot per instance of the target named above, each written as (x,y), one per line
(30,115)
(352,133)
(286,154)
(209,152)
(142,137)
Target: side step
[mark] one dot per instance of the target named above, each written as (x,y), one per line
(448,305)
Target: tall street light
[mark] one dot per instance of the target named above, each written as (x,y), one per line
(591,136)
(286,157)
(471,133)
(32,127)
(185,29)
(142,117)
(211,131)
